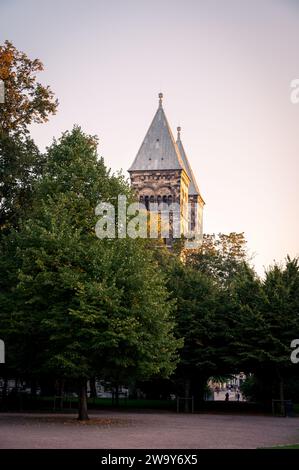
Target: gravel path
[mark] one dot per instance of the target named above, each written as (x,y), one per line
(145,431)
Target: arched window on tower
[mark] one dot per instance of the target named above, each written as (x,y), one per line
(169,199)
(146,202)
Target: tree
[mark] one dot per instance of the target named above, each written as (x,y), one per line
(266,321)
(83,306)
(281,313)
(200,283)
(220,256)
(26,100)
(20,167)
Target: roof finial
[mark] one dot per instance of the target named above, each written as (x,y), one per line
(160,99)
(179,132)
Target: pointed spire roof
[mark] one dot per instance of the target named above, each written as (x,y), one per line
(159,150)
(193,188)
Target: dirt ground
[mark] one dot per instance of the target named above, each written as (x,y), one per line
(145,430)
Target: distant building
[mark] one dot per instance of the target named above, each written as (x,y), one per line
(162,174)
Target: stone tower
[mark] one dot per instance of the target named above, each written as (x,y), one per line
(161,174)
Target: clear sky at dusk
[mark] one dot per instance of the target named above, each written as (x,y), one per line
(225,69)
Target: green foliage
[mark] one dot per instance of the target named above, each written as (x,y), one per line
(220,256)
(73,306)
(230,319)
(266,320)
(200,283)
(26,100)
(196,317)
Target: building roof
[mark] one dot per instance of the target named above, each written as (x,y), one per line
(193,188)
(159,150)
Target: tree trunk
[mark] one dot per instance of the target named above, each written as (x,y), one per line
(281,394)
(83,415)
(93,389)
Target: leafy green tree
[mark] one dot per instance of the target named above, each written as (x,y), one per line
(20,167)
(83,306)
(281,313)
(200,282)
(266,321)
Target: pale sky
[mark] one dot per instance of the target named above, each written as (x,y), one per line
(224,67)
